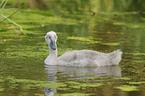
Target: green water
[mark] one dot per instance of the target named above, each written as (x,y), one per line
(22,55)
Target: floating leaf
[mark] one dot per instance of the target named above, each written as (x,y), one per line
(33,83)
(75,94)
(127,88)
(137,83)
(110,44)
(85,85)
(2,89)
(80,38)
(122,78)
(136,54)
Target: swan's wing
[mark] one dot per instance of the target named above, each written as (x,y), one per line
(68,57)
(83,58)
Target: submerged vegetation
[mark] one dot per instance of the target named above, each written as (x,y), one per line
(88,24)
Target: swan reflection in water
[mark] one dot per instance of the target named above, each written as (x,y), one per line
(78,73)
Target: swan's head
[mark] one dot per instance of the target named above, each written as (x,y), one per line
(51,39)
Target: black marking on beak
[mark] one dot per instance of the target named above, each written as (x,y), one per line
(52,44)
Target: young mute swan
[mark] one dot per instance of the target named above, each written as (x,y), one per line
(80,57)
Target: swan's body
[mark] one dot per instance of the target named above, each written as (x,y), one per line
(80,57)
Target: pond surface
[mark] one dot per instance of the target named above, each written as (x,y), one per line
(22,68)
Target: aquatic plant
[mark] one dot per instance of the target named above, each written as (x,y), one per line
(2,10)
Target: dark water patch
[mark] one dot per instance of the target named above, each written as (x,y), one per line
(3,30)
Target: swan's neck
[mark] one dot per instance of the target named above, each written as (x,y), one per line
(52,58)
(52,53)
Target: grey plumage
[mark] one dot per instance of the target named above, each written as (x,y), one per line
(79,57)
(89,58)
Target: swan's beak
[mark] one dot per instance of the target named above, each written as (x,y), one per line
(52,44)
